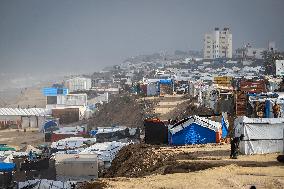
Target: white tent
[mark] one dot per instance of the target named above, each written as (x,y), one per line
(45,184)
(261,135)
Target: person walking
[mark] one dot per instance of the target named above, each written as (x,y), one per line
(276,110)
(235,144)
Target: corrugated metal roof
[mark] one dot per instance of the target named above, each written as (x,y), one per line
(25,111)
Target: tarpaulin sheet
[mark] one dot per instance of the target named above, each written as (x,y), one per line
(263,131)
(7,167)
(193,134)
(224,128)
(260,135)
(45,184)
(261,146)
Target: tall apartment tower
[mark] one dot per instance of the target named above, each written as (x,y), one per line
(218,44)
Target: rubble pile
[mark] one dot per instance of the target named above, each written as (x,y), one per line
(138,160)
(123,110)
(92,185)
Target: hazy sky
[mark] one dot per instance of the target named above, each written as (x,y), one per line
(68,35)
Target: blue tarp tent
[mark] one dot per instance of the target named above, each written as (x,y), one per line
(7,167)
(194,134)
(165,81)
(195,130)
(49,124)
(93,132)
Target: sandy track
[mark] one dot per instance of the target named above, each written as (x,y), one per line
(209,166)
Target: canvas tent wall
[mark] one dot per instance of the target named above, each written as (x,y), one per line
(261,135)
(86,166)
(194,130)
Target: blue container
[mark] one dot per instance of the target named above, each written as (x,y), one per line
(54,91)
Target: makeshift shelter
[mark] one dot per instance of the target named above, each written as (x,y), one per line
(72,142)
(50,125)
(86,166)
(195,130)
(7,167)
(66,132)
(155,132)
(225,126)
(24,117)
(166,87)
(4,147)
(261,135)
(6,174)
(117,133)
(106,151)
(46,184)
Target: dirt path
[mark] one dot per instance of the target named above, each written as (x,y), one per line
(167,104)
(200,166)
(231,176)
(19,138)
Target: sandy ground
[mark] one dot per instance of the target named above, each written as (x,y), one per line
(29,97)
(263,171)
(231,176)
(19,138)
(167,104)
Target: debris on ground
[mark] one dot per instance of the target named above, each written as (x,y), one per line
(139,160)
(93,185)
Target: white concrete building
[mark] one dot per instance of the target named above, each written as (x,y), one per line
(61,101)
(78,84)
(218,44)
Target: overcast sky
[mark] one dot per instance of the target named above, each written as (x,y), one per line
(68,35)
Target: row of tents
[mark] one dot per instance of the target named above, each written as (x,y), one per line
(190,130)
(261,135)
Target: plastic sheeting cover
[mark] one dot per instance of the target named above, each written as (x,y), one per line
(260,135)
(7,167)
(224,128)
(106,151)
(46,184)
(193,134)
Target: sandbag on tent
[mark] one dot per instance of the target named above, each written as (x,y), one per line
(261,135)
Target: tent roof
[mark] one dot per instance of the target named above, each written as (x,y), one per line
(24,111)
(7,167)
(204,122)
(245,119)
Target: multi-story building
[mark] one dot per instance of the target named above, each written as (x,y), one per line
(218,44)
(78,84)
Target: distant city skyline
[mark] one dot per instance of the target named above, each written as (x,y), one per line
(85,36)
